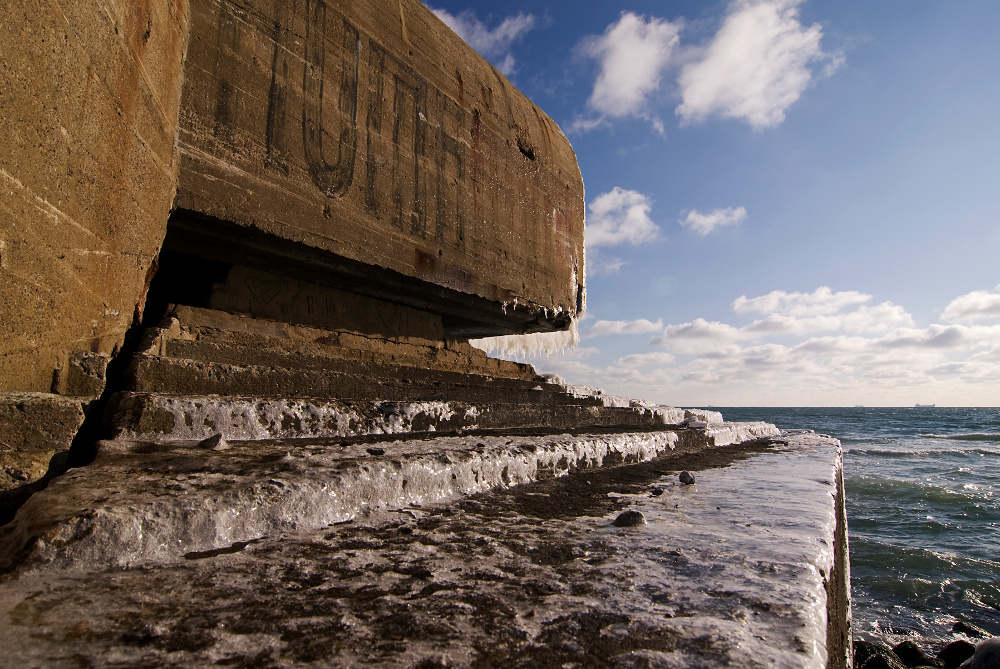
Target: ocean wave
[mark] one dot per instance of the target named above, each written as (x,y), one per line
(877,551)
(968,436)
(911,501)
(921,452)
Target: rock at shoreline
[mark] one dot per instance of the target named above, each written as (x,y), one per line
(987,655)
(687,478)
(969,629)
(956,652)
(887,661)
(912,656)
(872,655)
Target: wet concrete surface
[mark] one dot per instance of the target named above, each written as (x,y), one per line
(729,571)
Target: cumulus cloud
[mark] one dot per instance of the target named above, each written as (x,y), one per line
(977,305)
(605,266)
(620,216)
(698,337)
(755,67)
(879,318)
(820,302)
(645,360)
(633,54)
(717,218)
(639,326)
(494,43)
(819,348)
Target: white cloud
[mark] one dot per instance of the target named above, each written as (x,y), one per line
(835,350)
(700,337)
(977,305)
(619,216)
(755,67)
(605,266)
(879,318)
(633,54)
(640,326)
(492,44)
(645,360)
(821,301)
(717,218)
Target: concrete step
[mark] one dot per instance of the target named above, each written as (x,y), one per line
(142,502)
(157,416)
(243,355)
(177,376)
(263,337)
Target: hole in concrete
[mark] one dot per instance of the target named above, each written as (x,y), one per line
(181,279)
(526,148)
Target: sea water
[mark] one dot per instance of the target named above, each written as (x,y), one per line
(923,513)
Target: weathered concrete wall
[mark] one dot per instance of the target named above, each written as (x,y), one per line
(366,131)
(89,95)
(357,155)
(370,130)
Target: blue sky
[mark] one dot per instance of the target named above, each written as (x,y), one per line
(788,202)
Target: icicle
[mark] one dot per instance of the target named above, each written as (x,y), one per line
(536,344)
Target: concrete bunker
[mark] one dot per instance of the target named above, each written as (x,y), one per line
(352,166)
(243,245)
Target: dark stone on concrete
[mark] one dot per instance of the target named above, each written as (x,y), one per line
(956,652)
(911,654)
(630,518)
(687,478)
(216,443)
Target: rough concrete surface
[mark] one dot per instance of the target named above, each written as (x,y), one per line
(34,428)
(370,130)
(183,497)
(730,571)
(89,97)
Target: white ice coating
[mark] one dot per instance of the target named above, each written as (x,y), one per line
(256,489)
(244,418)
(758,532)
(535,344)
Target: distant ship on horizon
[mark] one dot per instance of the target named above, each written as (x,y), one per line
(924,406)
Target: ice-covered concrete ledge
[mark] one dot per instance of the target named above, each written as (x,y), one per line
(147,502)
(744,568)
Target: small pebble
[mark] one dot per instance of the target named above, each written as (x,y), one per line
(376,451)
(657,492)
(630,518)
(216,442)
(686,478)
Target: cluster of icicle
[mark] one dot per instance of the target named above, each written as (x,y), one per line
(529,345)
